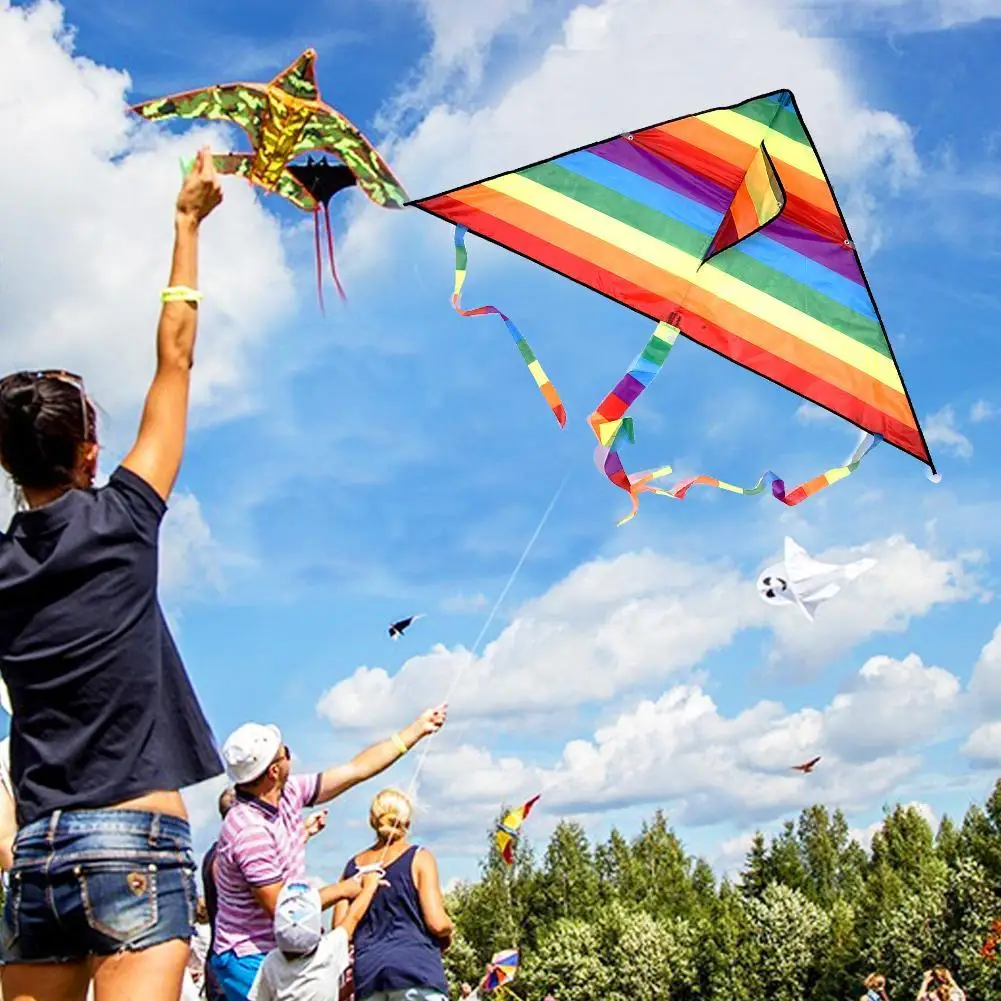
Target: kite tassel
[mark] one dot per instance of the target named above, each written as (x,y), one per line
(548,390)
(330,254)
(319,260)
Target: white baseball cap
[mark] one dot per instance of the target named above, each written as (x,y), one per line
(249,750)
(298,918)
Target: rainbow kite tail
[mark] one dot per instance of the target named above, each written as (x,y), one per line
(792,497)
(547,389)
(610,424)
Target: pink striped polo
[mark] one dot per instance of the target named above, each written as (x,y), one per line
(259,844)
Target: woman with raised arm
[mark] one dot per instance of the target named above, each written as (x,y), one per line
(399,941)
(106,727)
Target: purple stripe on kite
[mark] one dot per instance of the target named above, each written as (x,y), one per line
(628,389)
(778,488)
(715,196)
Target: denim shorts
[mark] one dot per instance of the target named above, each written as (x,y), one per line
(96,882)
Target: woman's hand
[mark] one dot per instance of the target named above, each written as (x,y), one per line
(201,191)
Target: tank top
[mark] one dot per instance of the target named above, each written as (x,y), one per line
(393,948)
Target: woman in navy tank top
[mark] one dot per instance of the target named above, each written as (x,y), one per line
(399,942)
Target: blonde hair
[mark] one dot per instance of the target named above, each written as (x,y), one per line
(389,815)
(874,982)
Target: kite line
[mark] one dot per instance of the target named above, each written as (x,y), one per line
(486,625)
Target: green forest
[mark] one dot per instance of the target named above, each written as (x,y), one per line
(811,914)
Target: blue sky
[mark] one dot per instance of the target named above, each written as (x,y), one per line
(391,457)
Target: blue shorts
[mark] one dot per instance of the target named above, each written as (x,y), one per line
(96,882)
(236,974)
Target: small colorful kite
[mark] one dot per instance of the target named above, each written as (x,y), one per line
(284,119)
(508,830)
(501,971)
(802,581)
(721,226)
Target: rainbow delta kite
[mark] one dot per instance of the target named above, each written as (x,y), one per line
(720,226)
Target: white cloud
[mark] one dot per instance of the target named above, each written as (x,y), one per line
(983,746)
(85,244)
(810,413)
(982,410)
(681,751)
(462,604)
(605,74)
(941,429)
(189,553)
(462,31)
(615,625)
(985,681)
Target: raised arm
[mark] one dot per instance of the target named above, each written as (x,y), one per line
(159,447)
(378,757)
(357,908)
(432,902)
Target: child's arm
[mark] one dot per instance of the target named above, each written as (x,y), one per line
(369,884)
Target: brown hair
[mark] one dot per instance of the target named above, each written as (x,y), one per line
(45,419)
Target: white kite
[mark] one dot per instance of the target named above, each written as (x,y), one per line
(801,580)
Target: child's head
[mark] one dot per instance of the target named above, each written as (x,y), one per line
(298,919)
(390,815)
(874,982)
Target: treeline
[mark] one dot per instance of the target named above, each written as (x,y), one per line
(812,913)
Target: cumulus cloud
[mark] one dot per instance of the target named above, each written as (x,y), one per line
(985,681)
(190,555)
(463,604)
(941,429)
(982,410)
(85,244)
(615,625)
(610,56)
(706,767)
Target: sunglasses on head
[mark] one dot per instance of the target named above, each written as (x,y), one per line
(72,379)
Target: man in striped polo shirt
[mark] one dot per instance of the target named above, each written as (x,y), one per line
(262,844)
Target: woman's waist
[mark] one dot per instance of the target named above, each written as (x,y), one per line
(109,833)
(381,944)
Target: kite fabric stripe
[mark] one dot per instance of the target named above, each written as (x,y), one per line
(725,225)
(756,202)
(547,389)
(610,426)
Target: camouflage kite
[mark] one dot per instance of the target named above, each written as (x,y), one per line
(285,119)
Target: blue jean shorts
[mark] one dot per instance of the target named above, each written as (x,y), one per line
(96,882)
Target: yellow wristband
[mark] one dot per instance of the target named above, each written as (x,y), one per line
(398,741)
(180,293)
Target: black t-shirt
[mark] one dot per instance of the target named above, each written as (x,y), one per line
(103,708)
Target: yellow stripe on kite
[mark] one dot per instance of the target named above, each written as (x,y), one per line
(684,266)
(780,147)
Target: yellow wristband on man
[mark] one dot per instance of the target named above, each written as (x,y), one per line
(400,746)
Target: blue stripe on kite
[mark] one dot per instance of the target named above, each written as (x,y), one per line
(705,220)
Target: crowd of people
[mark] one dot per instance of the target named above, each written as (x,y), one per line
(937,984)
(101,881)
